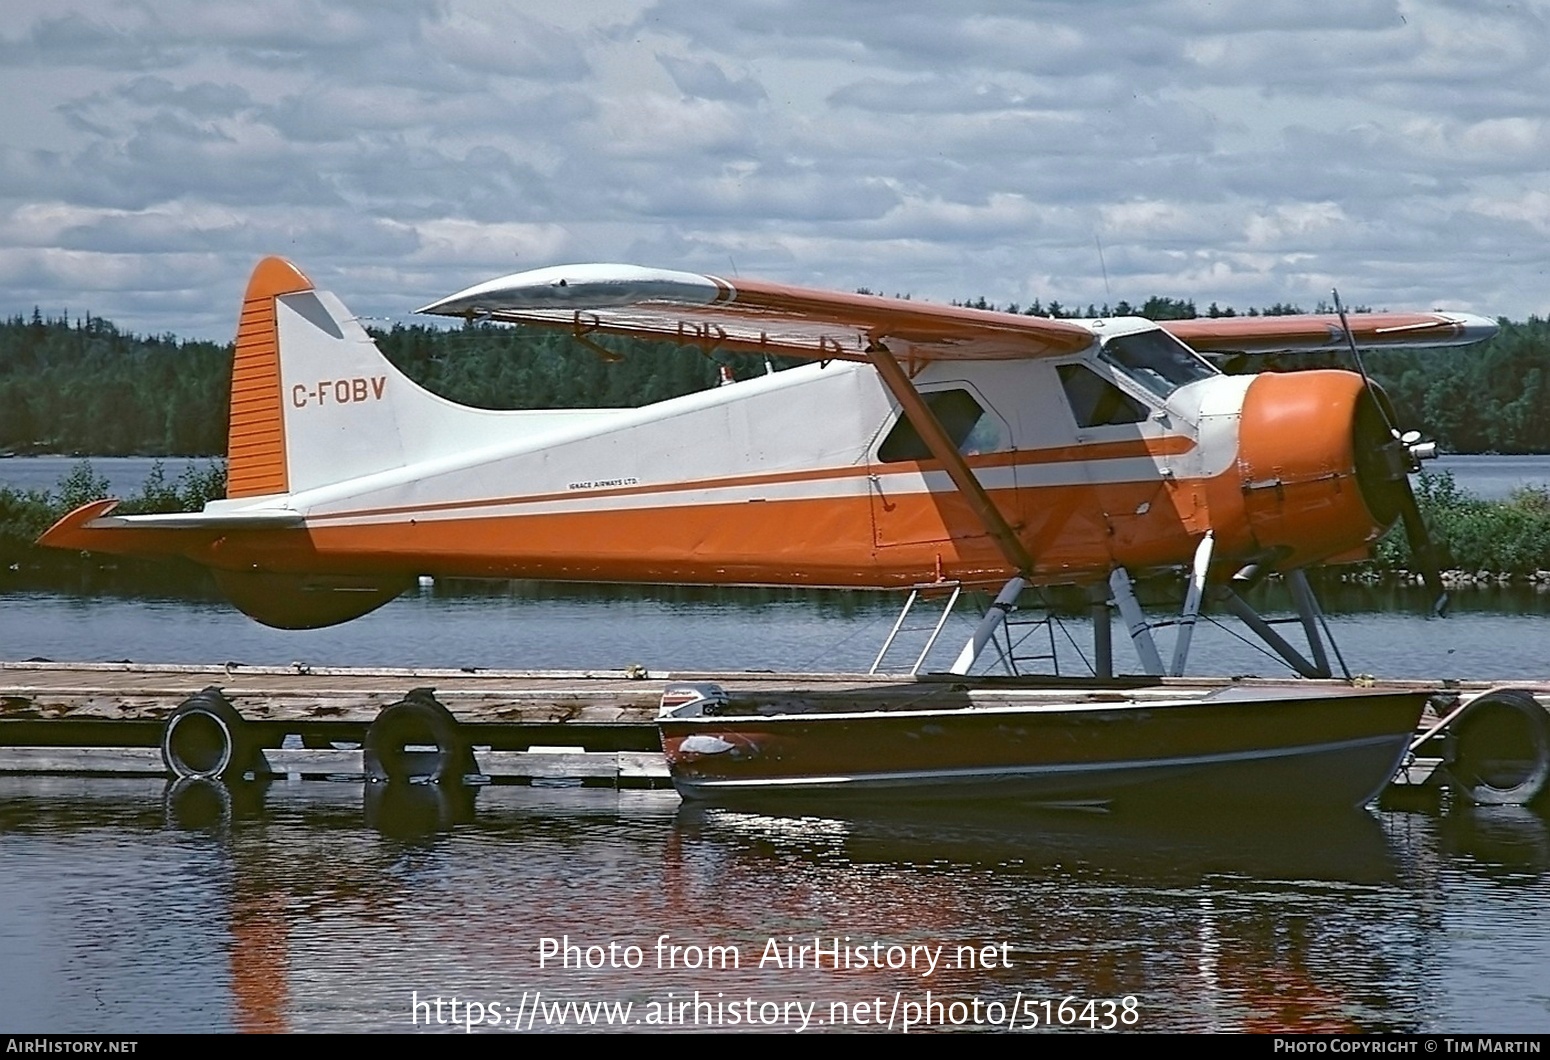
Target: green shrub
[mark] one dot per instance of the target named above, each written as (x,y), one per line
(1511,536)
(188,494)
(25,514)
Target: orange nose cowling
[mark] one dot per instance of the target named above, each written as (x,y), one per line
(1309,465)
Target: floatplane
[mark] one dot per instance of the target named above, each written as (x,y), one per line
(919,447)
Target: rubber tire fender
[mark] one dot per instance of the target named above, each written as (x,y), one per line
(1506,721)
(205,738)
(417,719)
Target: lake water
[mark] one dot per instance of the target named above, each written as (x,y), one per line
(135,906)
(132,905)
(1494,477)
(1490,633)
(130,909)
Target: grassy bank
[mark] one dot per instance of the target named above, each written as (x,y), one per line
(1481,541)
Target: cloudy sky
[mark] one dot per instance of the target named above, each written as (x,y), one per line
(1242,151)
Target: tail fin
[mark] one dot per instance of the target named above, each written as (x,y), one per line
(314,402)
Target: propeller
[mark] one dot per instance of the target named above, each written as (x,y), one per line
(1401,456)
(1423,552)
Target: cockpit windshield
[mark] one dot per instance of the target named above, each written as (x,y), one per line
(1156,360)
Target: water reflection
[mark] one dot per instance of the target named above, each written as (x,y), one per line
(400,810)
(1157,848)
(1221,922)
(320,906)
(1509,844)
(197,804)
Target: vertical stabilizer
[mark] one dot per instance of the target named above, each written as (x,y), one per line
(314,402)
(255,442)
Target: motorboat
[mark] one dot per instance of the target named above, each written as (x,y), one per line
(1286,743)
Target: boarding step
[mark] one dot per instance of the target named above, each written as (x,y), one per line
(1030,642)
(936,600)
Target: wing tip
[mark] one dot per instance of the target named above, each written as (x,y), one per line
(1472,327)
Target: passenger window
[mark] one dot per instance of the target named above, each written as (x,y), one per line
(1095,401)
(968,425)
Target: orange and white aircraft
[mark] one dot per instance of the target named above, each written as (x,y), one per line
(921,443)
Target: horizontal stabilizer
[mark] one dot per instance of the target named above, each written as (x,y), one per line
(92,528)
(281,600)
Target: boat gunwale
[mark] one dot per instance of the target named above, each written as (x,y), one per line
(1213,698)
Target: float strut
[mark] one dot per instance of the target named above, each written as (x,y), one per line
(1197,586)
(995,618)
(1135,622)
(1308,612)
(1251,618)
(1103,633)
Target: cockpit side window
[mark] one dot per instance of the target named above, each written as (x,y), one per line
(968,425)
(1156,360)
(1095,401)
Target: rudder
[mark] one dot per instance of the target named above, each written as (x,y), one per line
(255,440)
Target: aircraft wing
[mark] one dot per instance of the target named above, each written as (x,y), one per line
(757,317)
(1310,332)
(761,317)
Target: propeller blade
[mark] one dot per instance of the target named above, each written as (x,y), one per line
(1423,553)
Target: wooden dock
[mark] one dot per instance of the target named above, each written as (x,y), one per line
(594,727)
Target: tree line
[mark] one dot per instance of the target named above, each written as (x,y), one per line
(84,386)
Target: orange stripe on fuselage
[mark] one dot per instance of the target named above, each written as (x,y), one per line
(1074,531)
(1292,492)
(1118,450)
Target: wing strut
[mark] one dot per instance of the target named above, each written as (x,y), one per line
(943,449)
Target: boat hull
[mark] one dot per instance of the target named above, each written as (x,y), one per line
(1333,747)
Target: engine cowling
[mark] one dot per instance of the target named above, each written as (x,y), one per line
(1321,472)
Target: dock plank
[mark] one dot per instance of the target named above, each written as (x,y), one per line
(341,763)
(135,761)
(130,691)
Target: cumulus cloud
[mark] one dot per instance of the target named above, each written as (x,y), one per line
(508,43)
(1241,151)
(707,80)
